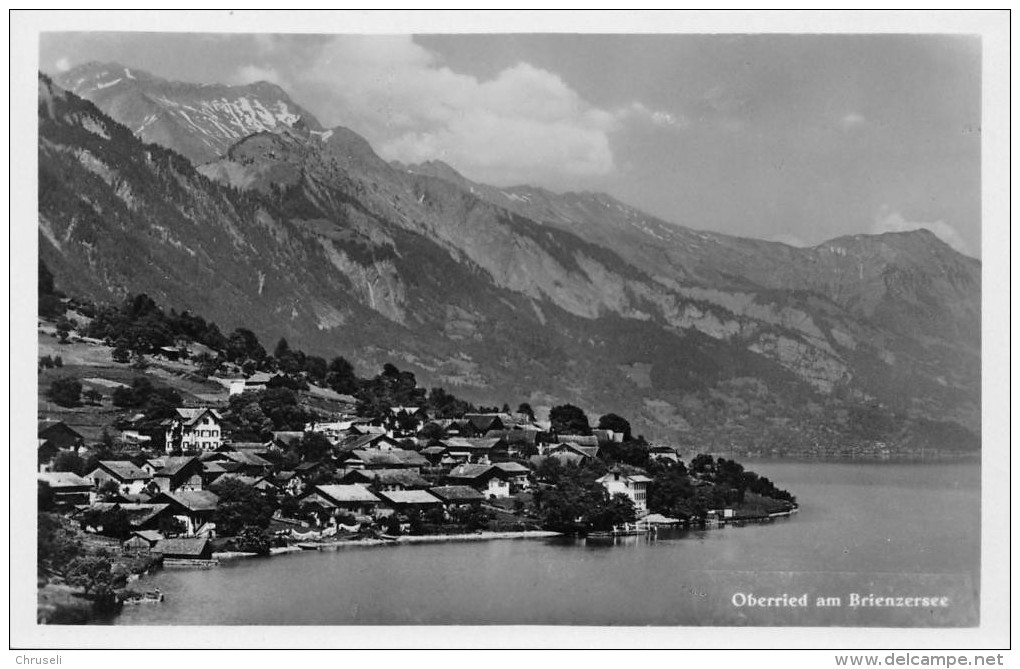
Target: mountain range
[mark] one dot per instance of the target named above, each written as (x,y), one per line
(236,203)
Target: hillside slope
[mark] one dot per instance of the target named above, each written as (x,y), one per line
(308,234)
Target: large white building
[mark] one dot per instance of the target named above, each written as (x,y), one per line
(194,430)
(634,486)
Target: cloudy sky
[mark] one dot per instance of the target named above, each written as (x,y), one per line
(795,138)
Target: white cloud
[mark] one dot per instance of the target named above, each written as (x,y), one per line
(662,119)
(888,220)
(249,74)
(524,123)
(63,64)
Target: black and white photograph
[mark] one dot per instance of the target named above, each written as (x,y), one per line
(348,321)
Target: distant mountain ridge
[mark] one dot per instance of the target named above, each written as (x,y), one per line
(509,294)
(199,121)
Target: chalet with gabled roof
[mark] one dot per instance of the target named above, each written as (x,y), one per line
(386,479)
(129,478)
(457,495)
(489,480)
(194,429)
(334,500)
(179,473)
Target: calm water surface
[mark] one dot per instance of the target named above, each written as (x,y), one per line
(886,529)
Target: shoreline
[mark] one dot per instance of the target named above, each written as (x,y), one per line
(406,539)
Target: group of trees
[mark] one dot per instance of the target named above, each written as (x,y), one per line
(65,391)
(571,499)
(709,484)
(60,552)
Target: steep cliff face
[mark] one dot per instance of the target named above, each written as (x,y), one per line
(514,294)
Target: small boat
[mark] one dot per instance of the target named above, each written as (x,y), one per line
(388,537)
(309,547)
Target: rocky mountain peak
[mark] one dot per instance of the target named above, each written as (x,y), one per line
(199,121)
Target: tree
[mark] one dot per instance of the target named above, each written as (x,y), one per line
(341,378)
(446,405)
(616,423)
(393,525)
(252,540)
(93,397)
(121,354)
(57,543)
(314,447)
(702,464)
(69,461)
(63,330)
(245,417)
(619,509)
(569,419)
(207,364)
(47,501)
(526,409)
(65,391)
(242,344)
(432,431)
(280,405)
(112,523)
(316,368)
(89,572)
(240,506)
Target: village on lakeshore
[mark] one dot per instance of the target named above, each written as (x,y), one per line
(270,456)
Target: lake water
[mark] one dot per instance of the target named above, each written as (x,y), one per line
(892,530)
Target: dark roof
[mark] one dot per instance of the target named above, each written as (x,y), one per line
(474,472)
(361,441)
(513,436)
(512,467)
(185,546)
(193,500)
(124,470)
(457,493)
(175,465)
(404,477)
(483,422)
(248,458)
(45,425)
(409,497)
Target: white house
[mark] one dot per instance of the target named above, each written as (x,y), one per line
(194,430)
(634,486)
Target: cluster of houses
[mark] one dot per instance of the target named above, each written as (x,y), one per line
(377,468)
